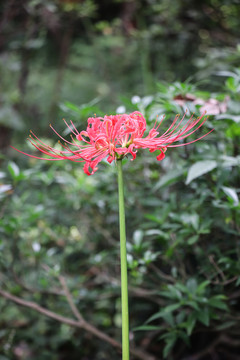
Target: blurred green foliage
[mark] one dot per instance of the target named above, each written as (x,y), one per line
(183,238)
(50,48)
(73,59)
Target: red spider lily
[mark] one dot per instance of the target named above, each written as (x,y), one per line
(114,137)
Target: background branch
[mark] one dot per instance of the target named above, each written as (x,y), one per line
(79,324)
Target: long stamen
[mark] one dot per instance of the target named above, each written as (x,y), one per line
(62,138)
(74,127)
(71,128)
(180,137)
(40,141)
(190,142)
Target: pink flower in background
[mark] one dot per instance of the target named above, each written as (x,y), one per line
(115,136)
(210,106)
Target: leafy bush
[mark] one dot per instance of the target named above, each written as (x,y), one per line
(183,239)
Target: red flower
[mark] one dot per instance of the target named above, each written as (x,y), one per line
(114,137)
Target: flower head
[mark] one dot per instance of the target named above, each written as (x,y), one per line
(114,137)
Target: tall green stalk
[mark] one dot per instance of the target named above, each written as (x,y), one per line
(123,254)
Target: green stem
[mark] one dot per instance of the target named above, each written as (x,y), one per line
(123,254)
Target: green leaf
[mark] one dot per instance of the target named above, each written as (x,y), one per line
(235,118)
(153,218)
(147,328)
(204,316)
(137,238)
(170,342)
(184,337)
(202,286)
(193,239)
(13,169)
(164,311)
(231,84)
(180,287)
(193,305)
(168,317)
(225,73)
(155,232)
(226,325)
(169,178)
(180,316)
(192,285)
(192,219)
(190,323)
(217,302)
(72,106)
(232,194)
(200,168)
(227,161)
